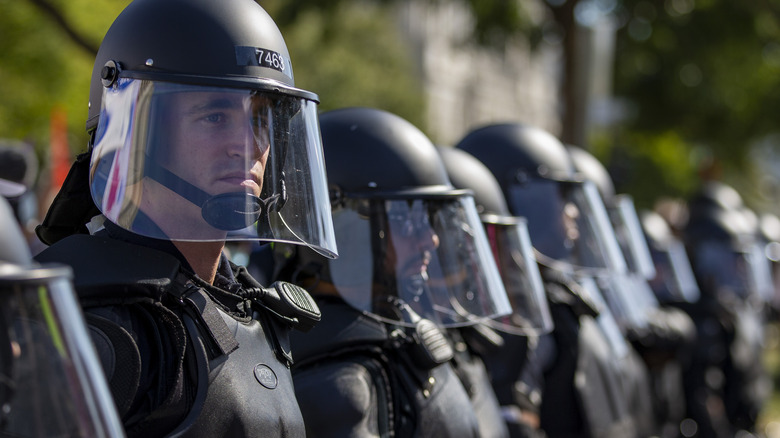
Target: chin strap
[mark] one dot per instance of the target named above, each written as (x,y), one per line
(227,211)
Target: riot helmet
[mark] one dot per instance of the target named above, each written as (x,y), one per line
(720,243)
(566,218)
(51,381)
(511,244)
(199,132)
(411,245)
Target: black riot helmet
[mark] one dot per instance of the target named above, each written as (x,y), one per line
(198,132)
(407,238)
(566,217)
(724,249)
(510,242)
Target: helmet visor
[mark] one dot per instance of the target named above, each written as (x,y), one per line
(405,259)
(673,280)
(567,222)
(195,163)
(51,381)
(630,236)
(514,256)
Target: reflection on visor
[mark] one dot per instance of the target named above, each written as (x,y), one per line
(185,162)
(428,254)
(51,381)
(517,265)
(630,237)
(567,222)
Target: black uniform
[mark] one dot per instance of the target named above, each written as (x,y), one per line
(583,394)
(178,353)
(355,376)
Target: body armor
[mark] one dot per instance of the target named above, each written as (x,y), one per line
(183,358)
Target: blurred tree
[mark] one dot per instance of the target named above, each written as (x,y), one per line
(706,70)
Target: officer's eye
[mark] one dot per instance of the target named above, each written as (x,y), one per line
(214,117)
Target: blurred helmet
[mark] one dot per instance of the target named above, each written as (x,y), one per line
(198,129)
(510,242)
(51,382)
(410,243)
(566,217)
(722,244)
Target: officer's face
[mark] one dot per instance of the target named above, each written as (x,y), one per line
(412,240)
(218,142)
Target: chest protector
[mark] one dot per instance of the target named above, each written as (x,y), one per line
(584,379)
(356,376)
(183,358)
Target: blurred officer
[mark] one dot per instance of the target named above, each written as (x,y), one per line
(727,382)
(51,383)
(582,392)
(19,165)
(519,391)
(196,131)
(660,335)
(413,260)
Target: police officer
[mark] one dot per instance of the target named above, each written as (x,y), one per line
(582,391)
(517,388)
(660,335)
(413,260)
(51,383)
(721,239)
(197,131)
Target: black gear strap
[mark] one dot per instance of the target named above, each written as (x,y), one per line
(73,206)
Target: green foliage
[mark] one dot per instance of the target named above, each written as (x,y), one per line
(709,71)
(354,57)
(41,68)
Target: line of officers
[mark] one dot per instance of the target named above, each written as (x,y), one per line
(498,287)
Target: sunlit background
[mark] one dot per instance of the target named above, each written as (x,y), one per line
(667,93)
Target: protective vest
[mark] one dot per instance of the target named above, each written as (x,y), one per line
(183,358)
(583,394)
(473,373)
(355,376)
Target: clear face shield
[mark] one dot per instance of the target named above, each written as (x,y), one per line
(630,237)
(514,256)
(568,224)
(51,381)
(196,163)
(405,259)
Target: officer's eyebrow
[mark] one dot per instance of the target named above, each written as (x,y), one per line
(214,104)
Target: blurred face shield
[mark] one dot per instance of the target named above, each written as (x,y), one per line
(405,259)
(568,223)
(674,281)
(51,382)
(512,250)
(196,163)
(630,237)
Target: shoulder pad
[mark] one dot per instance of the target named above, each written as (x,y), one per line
(341,327)
(101,264)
